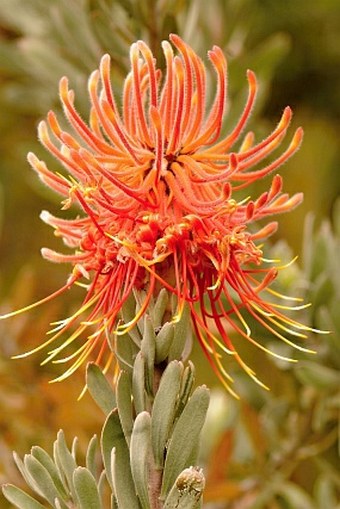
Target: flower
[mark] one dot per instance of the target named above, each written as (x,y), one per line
(157,185)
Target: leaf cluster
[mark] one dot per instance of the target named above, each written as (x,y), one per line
(150,437)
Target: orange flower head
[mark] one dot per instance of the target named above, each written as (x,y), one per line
(157,184)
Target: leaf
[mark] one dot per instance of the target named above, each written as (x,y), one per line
(148,351)
(140,449)
(99,388)
(128,313)
(102,485)
(43,479)
(124,404)
(182,334)
(117,463)
(22,469)
(125,350)
(19,498)
(138,384)
(184,441)
(74,448)
(164,408)
(91,453)
(187,490)
(188,379)
(64,460)
(86,489)
(164,340)
(44,458)
(160,307)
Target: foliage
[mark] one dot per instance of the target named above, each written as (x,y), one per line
(273,450)
(150,437)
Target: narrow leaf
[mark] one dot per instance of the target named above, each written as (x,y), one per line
(74,448)
(99,388)
(91,453)
(164,408)
(164,340)
(148,351)
(182,334)
(19,498)
(125,351)
(140,449)
(185,437)
(65,460)
(22,469)
(117,464)
(138,384)
(45,459)
(102,485)
(160,307)
(128,313)
(124,404)
(86,489)
(42,478)
(188,379)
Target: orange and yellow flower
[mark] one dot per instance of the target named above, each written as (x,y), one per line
(157,184)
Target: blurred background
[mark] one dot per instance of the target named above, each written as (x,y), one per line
(271,450)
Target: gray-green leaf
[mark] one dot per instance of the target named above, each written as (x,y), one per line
(124,404)
(184,441)
(86,489)
(44,458)
(164,408)
(99,388)
(19,498)
(138,384)
(64,460)
(140,452)
(182,334)
(148,351)
(164,340)
(117,464)
(42,478)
